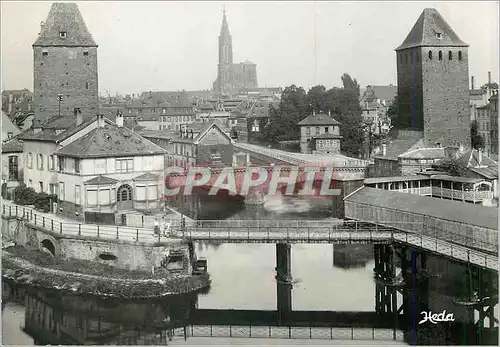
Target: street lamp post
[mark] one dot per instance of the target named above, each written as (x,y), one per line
(59,99)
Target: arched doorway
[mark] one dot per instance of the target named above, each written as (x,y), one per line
(124,197)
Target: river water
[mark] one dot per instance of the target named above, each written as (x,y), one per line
(326,278)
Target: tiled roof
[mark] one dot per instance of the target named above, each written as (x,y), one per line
(471,214)
(470,158)
(200,129)
(148,176)
(423,153)
(14,145)
(456,179)
(386,93)
(8,126)
(157,134)
(65,17)
(426,29)
(100,180)
(48,132)
(399,146)
(487,172)
(110,141)
(319,119)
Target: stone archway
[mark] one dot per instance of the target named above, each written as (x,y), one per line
(48,246)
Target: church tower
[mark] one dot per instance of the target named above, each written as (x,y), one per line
(224,82)
(65,66)
(433,82)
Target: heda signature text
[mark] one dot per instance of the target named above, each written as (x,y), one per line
(434,318)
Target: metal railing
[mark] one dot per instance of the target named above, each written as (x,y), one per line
(274,231)
(58,226)
(289,158)
(290,332)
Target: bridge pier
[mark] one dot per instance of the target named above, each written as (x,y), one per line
(283,281)
(482,296)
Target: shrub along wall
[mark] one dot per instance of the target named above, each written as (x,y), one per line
(27,196)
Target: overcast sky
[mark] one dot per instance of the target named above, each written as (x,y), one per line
(173,45)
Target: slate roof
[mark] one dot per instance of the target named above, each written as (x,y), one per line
(65,17)
(148,176)
(110,141)
(319,119)
(471,214)
(100,180)
(424,32)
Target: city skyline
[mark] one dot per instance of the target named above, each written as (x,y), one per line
(193,29)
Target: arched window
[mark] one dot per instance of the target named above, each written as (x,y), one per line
(459,55)
(430,55)
(124,193)
(450,55)
(440,56)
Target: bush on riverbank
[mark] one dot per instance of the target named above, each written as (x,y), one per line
(27,196)
(111,281)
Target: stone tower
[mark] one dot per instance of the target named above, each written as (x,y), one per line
(433,82)
(224,82)
(65,63)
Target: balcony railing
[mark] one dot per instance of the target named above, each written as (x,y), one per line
(474,196)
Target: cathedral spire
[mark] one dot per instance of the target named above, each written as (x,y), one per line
(224,30)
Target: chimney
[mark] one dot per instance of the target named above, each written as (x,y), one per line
(100,121)
(489,77)
(384,149)
(472,82)
(119,119)
(78,115)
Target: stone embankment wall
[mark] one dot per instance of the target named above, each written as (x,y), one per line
(129,255)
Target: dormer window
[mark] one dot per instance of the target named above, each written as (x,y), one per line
(439,36)
(45,53)
(85,53)
(62,34)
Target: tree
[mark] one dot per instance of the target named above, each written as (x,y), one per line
(492,85)
(350,83)
(453,167)
(283,121)
(317,98)
(393,110)
(477,140)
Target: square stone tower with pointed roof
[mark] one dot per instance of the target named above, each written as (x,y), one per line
(65,63)
(433,82)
